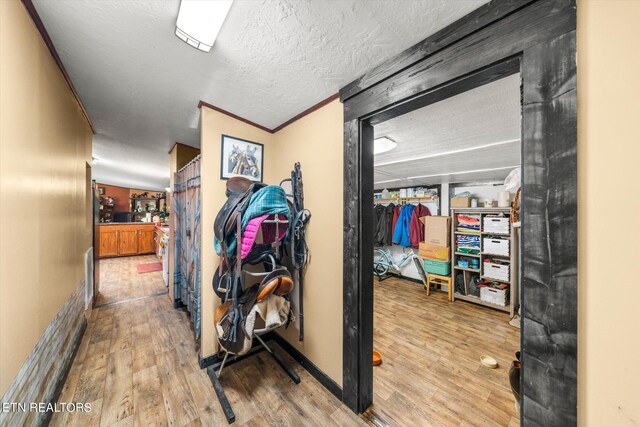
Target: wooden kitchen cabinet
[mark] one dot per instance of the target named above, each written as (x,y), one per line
(126,239)
(108,243)
(146,242)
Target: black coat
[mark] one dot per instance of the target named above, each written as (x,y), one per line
(384,224)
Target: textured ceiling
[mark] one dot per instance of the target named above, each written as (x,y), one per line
(272,60)
(476,130)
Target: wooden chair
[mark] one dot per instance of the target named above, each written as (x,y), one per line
(440,280)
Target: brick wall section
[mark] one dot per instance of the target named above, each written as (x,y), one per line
(44,368)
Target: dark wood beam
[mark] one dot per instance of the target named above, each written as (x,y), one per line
(480,18)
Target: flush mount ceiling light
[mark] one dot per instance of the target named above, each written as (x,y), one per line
(447,153)
(199,21)
(464,172)
(382,145)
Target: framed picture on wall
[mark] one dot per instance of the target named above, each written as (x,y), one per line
(241,158)
(101,191)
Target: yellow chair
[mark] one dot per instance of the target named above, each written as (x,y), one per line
(440,280)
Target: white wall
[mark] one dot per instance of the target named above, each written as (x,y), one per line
(481,192)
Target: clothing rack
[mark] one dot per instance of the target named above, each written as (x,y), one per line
(215,371)
(405,200)
(408,199)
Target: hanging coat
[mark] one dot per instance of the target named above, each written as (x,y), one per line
(401,234)
(416,228)
(388,219)
(396,214)
(378,214)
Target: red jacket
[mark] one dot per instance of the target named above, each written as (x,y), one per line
(396,214)
(416,228)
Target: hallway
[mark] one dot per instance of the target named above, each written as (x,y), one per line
(119,280)
(137,365)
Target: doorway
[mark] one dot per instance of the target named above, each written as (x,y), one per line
(538,39)
(445,177)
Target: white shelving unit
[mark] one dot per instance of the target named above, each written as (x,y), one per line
(468,273)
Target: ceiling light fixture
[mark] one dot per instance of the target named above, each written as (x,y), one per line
(383,144)
(463,172)
(388,180)
(199,21)
(447,153)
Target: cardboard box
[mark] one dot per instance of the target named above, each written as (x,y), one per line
(437,230)
(460,202)
(441,253)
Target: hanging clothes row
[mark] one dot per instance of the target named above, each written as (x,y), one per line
(399,224)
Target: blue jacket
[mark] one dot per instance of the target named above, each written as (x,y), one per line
(402,232)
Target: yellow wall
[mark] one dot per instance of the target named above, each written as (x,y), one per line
(608,155)
(213,125)
(45,145)
(316,142)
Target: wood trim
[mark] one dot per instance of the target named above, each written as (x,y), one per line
(277,128)
(33,13)
(175,144)
(307,364)
(454,87)
(235,116)
(483,16)
(307,111)
(542,36)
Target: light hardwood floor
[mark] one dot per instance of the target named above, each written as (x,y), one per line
(137,365)
(120,281)
(431,374)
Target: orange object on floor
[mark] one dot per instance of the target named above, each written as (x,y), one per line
(377,358)
(440,280)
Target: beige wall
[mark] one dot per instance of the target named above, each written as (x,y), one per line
(212,190)
(608,156)
(316,142)
(45,145)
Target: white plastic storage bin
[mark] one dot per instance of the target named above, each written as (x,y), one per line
(495,224)
(495,246)
(496,270)
(494,296)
